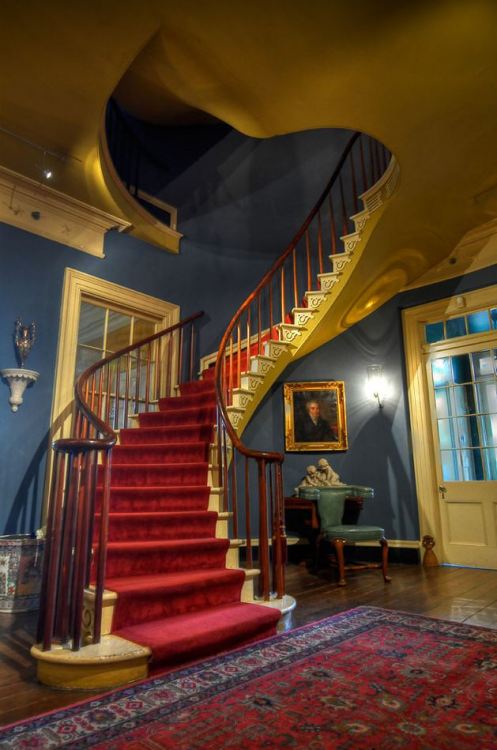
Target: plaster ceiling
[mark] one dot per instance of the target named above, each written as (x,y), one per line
(420,76)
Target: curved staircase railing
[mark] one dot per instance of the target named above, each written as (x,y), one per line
(264,323)
(134,164)
(107,395)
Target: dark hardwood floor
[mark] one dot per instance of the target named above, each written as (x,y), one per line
(461,594)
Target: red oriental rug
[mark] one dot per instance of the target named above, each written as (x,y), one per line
(366,679)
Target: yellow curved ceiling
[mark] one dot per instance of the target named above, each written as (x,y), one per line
(420,76)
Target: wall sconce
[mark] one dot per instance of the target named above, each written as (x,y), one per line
(18,378)
(376,383)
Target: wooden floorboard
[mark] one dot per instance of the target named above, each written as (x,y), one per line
(459,594)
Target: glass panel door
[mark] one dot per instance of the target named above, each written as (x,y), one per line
(104,330)
(463,385)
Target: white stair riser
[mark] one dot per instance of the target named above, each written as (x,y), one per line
(261,365)
(327,281)
(250,381)
(275,349)
(291,333)
(302,317)
(241,400)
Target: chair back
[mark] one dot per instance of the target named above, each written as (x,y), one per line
(331,504)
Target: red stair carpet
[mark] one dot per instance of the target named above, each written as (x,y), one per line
(175,594)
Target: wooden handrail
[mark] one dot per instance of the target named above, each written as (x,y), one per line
(73,494)
(109,435)
(290,273)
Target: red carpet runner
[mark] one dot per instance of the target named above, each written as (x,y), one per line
(166,565)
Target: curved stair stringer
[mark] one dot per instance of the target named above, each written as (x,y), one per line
(144,225)
(295,339)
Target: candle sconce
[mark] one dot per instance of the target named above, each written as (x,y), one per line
(18,378)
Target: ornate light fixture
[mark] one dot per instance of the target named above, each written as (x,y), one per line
(376,384)
(18,378)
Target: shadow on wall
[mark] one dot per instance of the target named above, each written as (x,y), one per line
(24,513)
(394,506)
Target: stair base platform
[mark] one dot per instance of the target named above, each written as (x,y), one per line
(111,663)
(285,604)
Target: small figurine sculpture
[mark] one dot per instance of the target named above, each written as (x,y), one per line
(320,476)
(311,478)
(25,336)
(327,477)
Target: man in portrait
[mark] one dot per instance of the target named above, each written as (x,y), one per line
(310,427)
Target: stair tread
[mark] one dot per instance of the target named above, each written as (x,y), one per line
(165,465)
(182,489)
(189,409)
(156,446)
(156,544)
(158,515)
(163,581)
(171,638)
(171,428)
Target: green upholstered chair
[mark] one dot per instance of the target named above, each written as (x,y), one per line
(331,503)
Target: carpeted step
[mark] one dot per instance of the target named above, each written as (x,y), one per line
(190,401)
(197,386)
(202,633)
(194,415)
(142,598)
(194,433)
(162,499)
(140,526)
(158,475)
(140,558)
(157,453)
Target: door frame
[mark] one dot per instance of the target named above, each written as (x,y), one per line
(416,354)
(79,286)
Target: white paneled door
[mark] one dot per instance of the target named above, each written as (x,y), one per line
(462,384)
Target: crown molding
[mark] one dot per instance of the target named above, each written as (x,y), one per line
(39,209)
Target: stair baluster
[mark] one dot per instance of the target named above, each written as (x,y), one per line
(107,395)
(307,258)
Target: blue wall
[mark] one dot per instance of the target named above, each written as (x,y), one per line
(379,453)
(239,204)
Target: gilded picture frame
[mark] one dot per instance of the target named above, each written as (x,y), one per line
(315,417)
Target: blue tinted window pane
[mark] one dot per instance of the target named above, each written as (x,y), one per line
(442,402)
(461,369)
(455,327)
(440,369)
(483,364)
(446,434)
(434,332)
(472,465)
(467,432)
(450,468)
(464,399)
(478,322)
(490,458)
(488,424)
(493,317)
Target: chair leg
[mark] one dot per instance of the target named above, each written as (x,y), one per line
(338,544)
(384,559)
(317,551)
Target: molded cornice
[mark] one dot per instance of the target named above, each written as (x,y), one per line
(40,209)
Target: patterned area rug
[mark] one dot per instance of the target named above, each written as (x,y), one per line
(368,679)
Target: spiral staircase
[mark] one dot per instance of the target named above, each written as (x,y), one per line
(162,548)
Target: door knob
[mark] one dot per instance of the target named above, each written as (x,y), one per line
(442,490)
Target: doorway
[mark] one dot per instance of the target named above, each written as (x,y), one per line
(97,317)
(451,355)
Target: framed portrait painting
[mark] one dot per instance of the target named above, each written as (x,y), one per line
(315,416)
